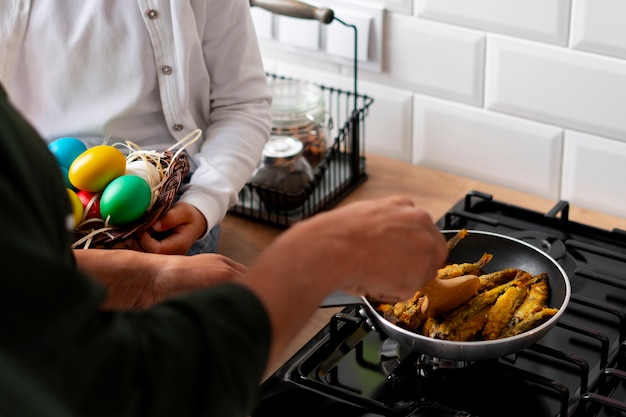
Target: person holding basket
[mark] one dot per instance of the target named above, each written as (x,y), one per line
(161,336)
(150,72)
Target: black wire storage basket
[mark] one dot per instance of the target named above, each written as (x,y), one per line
(338,174)
(342,168)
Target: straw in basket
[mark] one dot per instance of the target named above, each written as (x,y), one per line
(173,166)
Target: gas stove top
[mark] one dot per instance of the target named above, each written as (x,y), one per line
(578,369)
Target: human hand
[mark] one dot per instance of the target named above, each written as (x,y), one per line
(383,248)
(174,233)
(386,248)
(137,280)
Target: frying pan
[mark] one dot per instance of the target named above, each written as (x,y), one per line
(507,252)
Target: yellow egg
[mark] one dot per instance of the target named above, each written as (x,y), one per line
(77,206)
(95,168)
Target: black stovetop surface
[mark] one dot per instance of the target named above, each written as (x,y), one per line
(577,369)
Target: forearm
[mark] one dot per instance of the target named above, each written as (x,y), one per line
(137,280)
(291,284)
(129,276)
(110,265)
(386,249)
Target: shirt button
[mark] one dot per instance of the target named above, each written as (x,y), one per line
(178,128)
(166,69)
(152,14)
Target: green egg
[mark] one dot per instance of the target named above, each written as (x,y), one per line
(125,199)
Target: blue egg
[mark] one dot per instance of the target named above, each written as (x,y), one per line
(66,149)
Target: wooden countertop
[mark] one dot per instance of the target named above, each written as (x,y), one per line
(435,191)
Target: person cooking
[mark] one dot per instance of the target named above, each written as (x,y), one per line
(70,346)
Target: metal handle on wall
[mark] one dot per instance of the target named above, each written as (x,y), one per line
(293,8)
(298,9)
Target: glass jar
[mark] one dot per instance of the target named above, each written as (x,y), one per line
(283,177)
(299,111)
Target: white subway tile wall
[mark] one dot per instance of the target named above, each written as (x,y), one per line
(533,91)
(598,27)
(594,172)
(489,146)
(539,20)
(439,60)
(557,85)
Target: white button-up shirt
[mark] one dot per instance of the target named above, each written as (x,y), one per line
(149,71)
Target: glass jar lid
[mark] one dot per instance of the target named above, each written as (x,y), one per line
(296,103)
(281,149)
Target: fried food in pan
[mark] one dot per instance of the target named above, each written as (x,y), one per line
(508,302)
(457,270)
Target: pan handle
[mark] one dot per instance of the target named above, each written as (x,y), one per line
(341,299)
(293,8)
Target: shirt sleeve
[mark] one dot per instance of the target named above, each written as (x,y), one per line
(239,122)
(202,353)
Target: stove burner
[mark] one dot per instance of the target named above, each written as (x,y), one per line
(563,374)
(434,381)
(429,365)
(395,358)
(547,243)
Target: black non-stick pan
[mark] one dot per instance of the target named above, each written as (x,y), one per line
(507,253)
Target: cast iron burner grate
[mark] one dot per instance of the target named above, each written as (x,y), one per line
(577,370)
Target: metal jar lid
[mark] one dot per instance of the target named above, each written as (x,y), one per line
(281,149)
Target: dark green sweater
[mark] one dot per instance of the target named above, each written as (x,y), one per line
(201,354)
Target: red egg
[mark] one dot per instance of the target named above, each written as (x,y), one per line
(91,203)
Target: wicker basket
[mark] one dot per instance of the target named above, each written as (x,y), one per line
(174,166)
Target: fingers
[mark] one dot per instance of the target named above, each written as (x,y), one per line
(173,244)
(174,233)
(395,247)
(182,214)
(171,219)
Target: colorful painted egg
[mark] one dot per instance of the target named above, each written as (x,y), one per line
(91,203)
(65,150)
(95,168)
(125,200)
(77,207)
(145,170)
